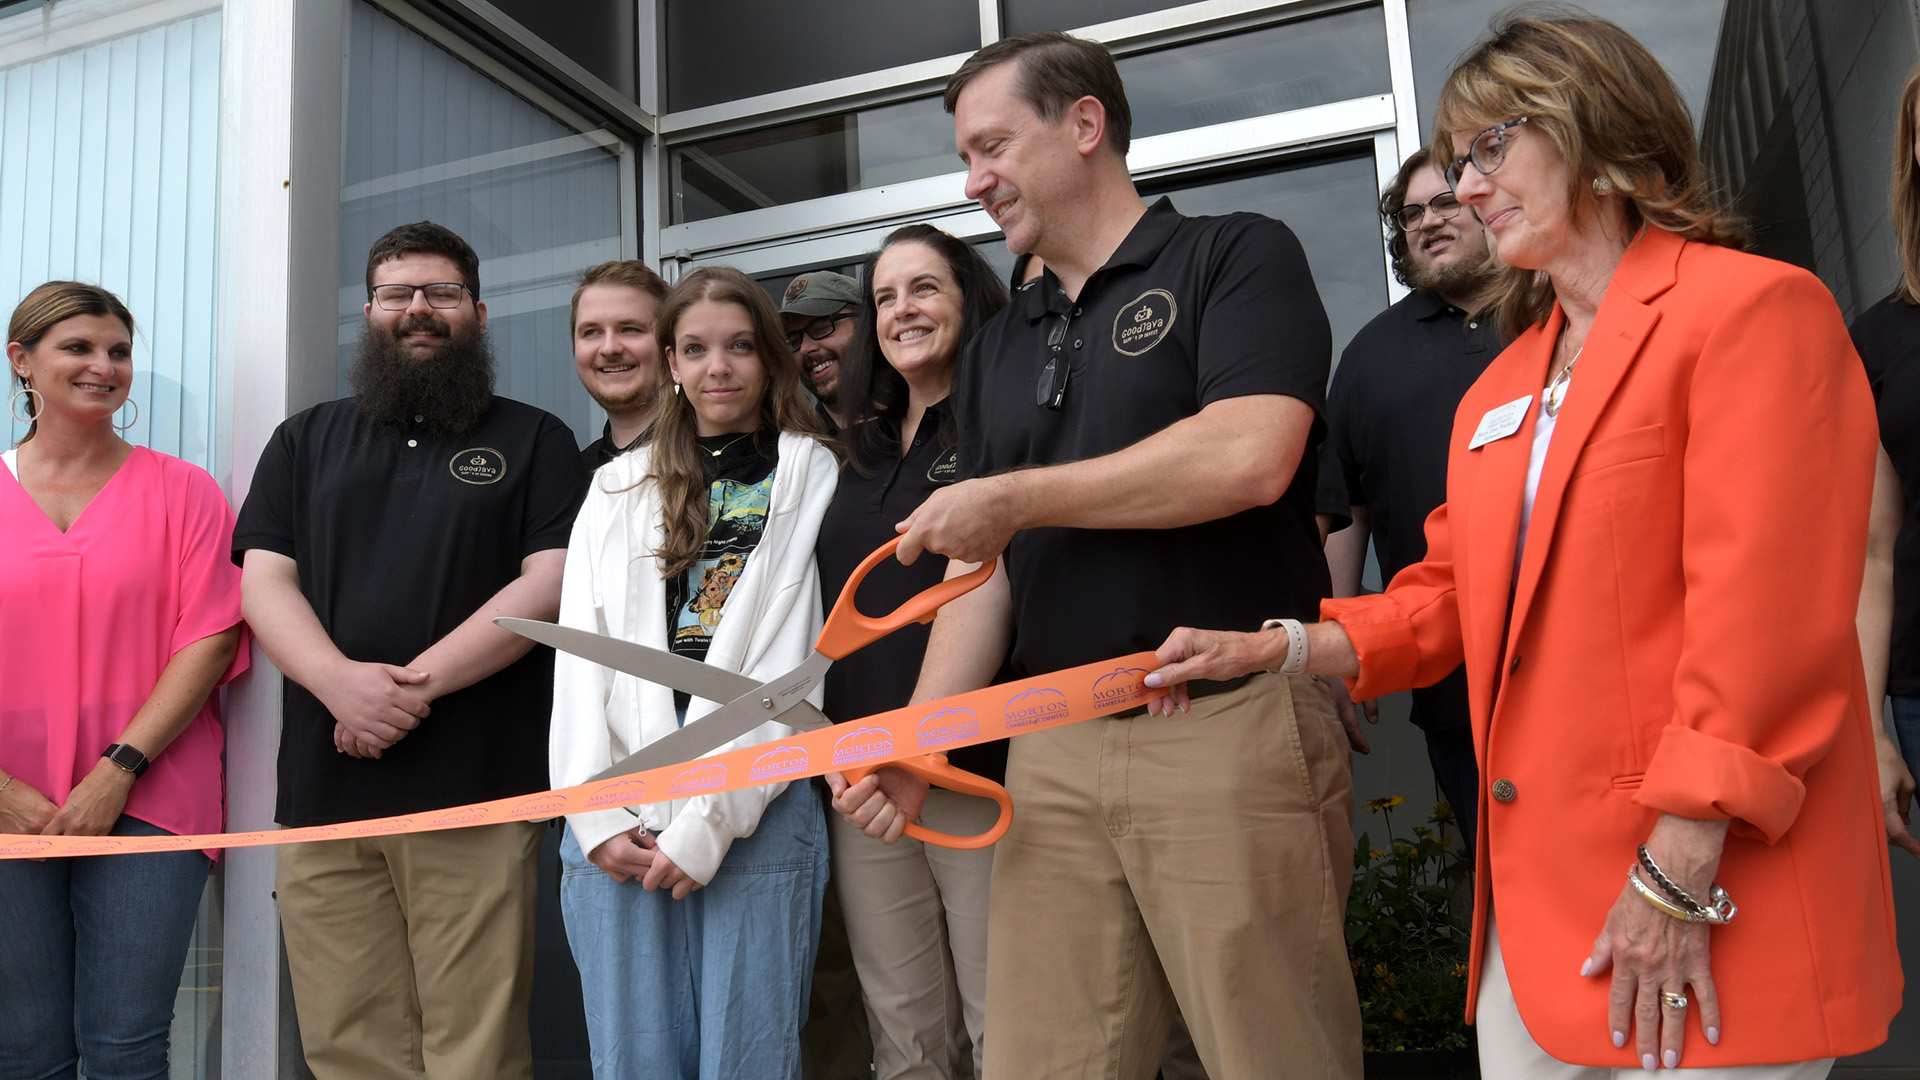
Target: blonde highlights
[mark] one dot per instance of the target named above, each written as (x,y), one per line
(677,464)
(1612,111)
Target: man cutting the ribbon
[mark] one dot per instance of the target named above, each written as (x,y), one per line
(1136,436)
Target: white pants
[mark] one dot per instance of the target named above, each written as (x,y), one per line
(1506,1050)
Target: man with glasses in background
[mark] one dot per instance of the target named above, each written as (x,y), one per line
(820,310)
(1389,418)
(381,535)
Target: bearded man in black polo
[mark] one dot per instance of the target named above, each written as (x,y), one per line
(1389,416)
(1136,436)
(382,534)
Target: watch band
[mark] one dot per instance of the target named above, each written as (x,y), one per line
(127,757)
(1296,661)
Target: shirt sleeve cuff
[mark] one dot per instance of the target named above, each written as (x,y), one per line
(1695,775)
(596,827)
(1382,637)
(696,845)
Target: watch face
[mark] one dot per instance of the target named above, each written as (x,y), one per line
(128,758)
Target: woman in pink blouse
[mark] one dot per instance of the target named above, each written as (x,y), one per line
(119,614)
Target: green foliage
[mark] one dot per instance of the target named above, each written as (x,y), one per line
(1407,935)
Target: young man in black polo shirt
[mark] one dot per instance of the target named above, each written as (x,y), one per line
(382,534)
(1135,436)
(1389,419)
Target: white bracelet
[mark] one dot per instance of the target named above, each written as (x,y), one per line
(1296,660)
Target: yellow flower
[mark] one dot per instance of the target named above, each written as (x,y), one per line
(1375,853)
(1387,803)
(1459,971)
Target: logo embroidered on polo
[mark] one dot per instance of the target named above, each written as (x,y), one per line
(1144,323)
(480,465)
(946,470)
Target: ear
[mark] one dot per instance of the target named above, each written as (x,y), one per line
(1087,119)
(480,309)
(17,353)
(673,363)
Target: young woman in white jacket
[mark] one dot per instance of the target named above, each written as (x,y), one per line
(695,921)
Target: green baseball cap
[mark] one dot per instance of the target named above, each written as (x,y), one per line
(820,293)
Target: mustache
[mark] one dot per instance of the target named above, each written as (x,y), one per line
(431,324)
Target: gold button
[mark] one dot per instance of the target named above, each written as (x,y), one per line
(1503,791)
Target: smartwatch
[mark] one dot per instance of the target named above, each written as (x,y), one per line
(128,758)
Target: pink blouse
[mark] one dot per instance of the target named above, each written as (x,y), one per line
(90,617)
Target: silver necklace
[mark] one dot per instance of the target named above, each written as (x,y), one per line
(1556,394)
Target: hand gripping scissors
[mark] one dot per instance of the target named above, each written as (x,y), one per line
(750,703)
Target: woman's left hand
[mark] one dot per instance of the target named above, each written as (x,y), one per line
(94,804)
(663,874)
(1652,953)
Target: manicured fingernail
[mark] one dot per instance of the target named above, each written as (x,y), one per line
(1586,968)
(1671,1058)
(1183,710)
(1713,1036)
(1647,1062)
(1619,1038)
(1153,679)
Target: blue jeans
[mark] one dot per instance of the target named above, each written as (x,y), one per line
(715,986)
(1906,729)
(92,949)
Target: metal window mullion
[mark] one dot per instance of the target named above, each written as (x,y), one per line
(989,22)
(1386,164)
(1400,71)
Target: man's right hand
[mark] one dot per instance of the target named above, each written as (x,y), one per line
(882,804)
(24,810)
(374,705)
(1350,715)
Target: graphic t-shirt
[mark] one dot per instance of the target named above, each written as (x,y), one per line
(739,490)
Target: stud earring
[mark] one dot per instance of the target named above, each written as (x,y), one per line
(1602,186)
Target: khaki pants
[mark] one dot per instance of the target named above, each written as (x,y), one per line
(1507,1052)
(1201,859)
(917,921)
(412,956)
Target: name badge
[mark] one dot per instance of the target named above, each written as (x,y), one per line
(1501,422)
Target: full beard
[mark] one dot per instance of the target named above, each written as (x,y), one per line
(451,387)
(1466,276)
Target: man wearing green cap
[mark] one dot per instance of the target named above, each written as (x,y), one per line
(819,309)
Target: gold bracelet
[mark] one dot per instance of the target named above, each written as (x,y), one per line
(7,783)
(1665,906)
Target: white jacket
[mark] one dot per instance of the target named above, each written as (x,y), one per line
(613,586)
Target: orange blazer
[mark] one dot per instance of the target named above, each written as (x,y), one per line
(1680,638)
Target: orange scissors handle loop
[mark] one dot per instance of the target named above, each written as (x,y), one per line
(848,629)
(934,769)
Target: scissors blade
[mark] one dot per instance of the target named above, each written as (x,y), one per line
(783,699)
(683,673)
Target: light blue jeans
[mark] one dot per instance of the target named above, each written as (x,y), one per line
(712,987)
(1906,730)
(90,955)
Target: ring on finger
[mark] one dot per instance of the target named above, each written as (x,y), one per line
(1672,1000)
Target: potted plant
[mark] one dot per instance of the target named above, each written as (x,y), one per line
(1407,934)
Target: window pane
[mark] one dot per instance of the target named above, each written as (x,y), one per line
(1022,16)
(740,48)
(1276,69)
(807,160)
(1681,35)
(1330,206)
(538,201)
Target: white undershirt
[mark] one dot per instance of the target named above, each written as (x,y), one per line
(1542,435)
(12,461)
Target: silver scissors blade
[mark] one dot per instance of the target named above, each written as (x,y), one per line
(749,703)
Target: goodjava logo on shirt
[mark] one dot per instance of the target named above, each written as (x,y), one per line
(778,762)
(619,793)
(698,779)
(1121,686)
(948,725)
(1144,323)
(861,744)
(480,465)
(1035,706)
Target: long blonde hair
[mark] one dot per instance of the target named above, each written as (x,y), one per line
(677,464)
(1905,194)
(1610,108)
(49,305)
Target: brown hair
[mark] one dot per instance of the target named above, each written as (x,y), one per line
(51,304)
(1905,194)
(678,465)
(631,273)
(1055,71)
(426,238)
(1391,200)
(1612,111)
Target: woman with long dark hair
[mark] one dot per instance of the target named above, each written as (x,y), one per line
(695,921)
(916,913)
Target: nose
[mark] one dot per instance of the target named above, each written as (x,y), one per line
(418,305)
(979,180)
(1473,184)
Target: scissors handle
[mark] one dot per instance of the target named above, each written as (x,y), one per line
(847,629)
(933,768)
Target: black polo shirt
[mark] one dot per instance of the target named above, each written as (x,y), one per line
(1188,311)
(399,537)
(1887,336)
(601,450)
(1389,419)
(860,519)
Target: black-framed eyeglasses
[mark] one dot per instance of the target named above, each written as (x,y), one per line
(1051,391)
(819,329)
(440,294)
(1487,150)
(1441,206)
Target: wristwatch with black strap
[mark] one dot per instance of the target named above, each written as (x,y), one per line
(128,758)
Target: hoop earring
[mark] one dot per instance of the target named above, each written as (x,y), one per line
(136,417)
(38,404)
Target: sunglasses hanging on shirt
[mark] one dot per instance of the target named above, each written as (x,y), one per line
(1052,388)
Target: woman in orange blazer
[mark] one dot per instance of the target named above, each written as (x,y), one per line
(1648,561)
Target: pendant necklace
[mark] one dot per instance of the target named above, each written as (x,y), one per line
(729,446)
(1556,394)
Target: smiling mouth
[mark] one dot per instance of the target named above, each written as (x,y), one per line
(96,388)
(616,370)
(819,367)
(911,335)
